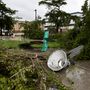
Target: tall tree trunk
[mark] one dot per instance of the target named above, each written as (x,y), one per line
(0,31)
(1,27)
(57,28)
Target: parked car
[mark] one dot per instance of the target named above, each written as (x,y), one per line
(7,32)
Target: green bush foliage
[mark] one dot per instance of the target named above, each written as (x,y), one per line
(16,73)
(66,39)
(84,37)
(55,37)
(80,35)
(34,34)
(70,38)
(33,30)
(85,54)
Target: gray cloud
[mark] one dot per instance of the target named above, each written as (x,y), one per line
(26,7)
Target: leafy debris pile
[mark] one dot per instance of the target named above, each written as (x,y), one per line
(20,71)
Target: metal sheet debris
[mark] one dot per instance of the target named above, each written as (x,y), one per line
(58,60)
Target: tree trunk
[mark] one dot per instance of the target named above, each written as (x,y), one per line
(0,31)
(57,27)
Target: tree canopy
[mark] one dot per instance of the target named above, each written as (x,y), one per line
(86,14)
(6,19)
(33,30)
(55,14)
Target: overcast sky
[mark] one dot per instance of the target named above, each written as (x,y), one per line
(26,7)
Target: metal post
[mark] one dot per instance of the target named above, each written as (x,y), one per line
(35,14)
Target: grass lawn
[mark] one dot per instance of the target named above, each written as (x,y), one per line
(50,44)
(10,43)
(15,44)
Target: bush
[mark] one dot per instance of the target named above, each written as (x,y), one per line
(55,37)
(72,34)
(33,30)
(33,34)
(85,54)
(67,39)
(81,39)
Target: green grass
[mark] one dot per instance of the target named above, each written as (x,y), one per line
(15,44)
(54,45)
(10,43)
(50,44)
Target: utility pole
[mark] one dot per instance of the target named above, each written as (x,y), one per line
(89,4)
(35,14)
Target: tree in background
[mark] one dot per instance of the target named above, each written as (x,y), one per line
(6,19)
(86,14)
(33,30)
(86,20)
(85,8)
(83,38)
(55,14)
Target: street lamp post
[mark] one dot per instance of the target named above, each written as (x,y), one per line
(35,14)
(89,4)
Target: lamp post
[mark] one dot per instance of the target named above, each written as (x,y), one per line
(89,4)
(35,14)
